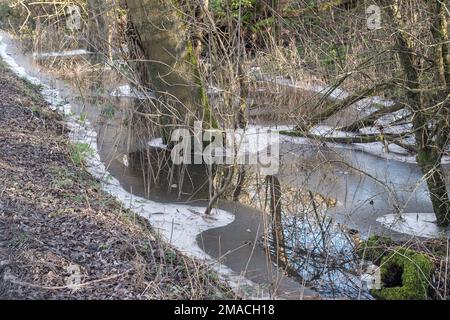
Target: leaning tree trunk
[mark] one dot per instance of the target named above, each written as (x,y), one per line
(171,63)
(429,144)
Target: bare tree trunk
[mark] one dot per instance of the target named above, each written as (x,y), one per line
(97,41)
(239,183)
(430,162)
(277,226)
(439,30)
(170,62)
(436,181)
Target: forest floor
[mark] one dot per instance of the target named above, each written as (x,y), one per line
(61,236)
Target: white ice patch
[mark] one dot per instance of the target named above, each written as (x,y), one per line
(296,140)
(20,71)
(395,129)
(157,143)
(128,92)
(68,53)
(372,277)
(393,116)
(125,161)
(415,224)
(255,139)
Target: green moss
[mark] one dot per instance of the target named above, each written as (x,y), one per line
(239,8)
(427,159)
(9,18)
(203,96)
(79,151)
(414,271)
(263,24)
(3,66)
(374,248)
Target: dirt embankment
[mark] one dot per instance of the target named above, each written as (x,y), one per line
(61,237)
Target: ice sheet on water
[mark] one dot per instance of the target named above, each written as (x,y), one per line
(322,253)
(55,54)
(413,223)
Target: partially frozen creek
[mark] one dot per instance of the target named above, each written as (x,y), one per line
(227,240)
(178,223)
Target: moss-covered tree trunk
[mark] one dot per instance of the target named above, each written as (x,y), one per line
(430,143)
(436,181)
(170,63)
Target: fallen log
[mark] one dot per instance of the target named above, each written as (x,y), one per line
(342,104)
(369,120)
(366,138)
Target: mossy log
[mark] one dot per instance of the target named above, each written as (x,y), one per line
(374,248)
(405,275)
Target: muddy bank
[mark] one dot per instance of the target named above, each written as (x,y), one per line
(61,237)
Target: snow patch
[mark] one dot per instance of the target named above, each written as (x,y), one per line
(68,53)
(416,224)
(128,92)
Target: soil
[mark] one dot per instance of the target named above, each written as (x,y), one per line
(61,236)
